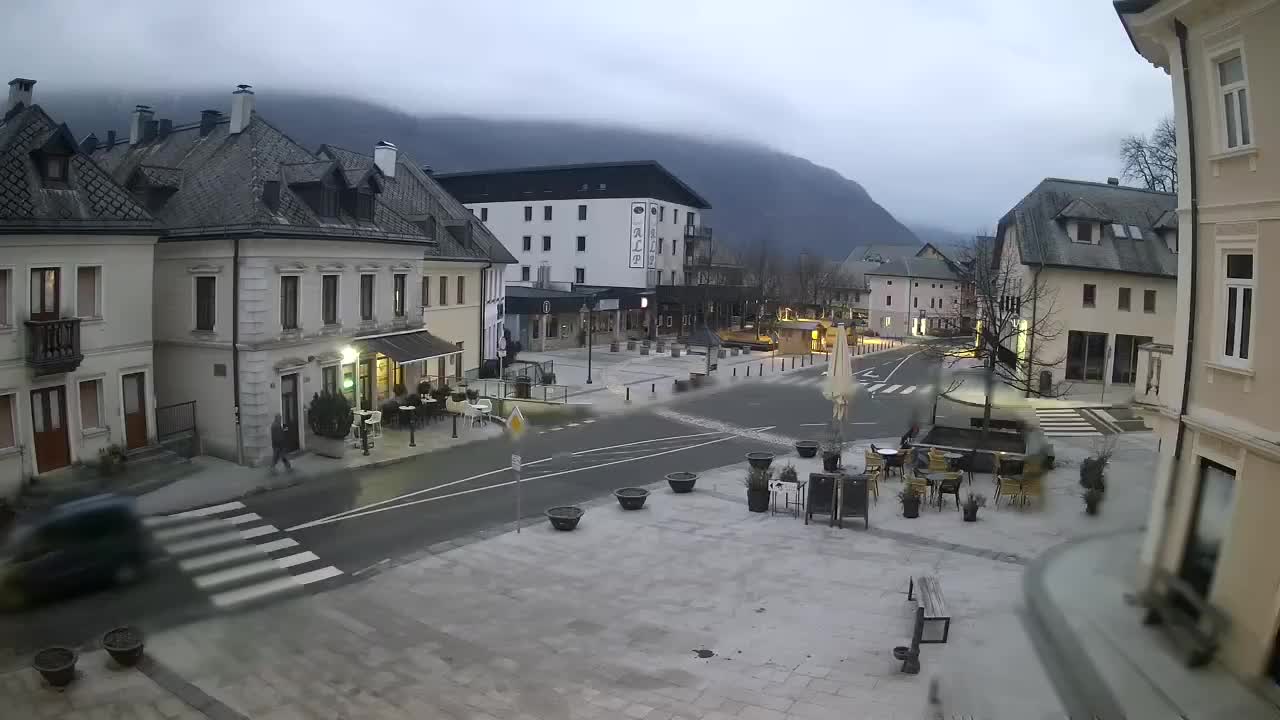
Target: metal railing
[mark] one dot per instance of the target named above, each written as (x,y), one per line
(175,419)
(697,231)
(53,346)
(518,390)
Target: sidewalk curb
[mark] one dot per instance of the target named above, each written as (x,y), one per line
(1084,693)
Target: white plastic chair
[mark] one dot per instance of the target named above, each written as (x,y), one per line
(374,421)
(485,406)
(472,414)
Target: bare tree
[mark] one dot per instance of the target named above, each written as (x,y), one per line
(1012,314)
(761,268)
(811,279)
(1153,161)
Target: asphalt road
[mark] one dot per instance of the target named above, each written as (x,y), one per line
(359,521)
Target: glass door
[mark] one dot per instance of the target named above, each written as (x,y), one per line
(1209,526)
(46,293)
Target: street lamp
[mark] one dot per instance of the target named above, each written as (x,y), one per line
(586,313)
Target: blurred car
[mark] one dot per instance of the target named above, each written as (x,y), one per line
(78,546)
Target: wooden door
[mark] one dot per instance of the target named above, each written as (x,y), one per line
(134,387)
(366,384)
(49,427)
(289,411)
(46,293)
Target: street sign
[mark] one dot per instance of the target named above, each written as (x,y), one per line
(515,462)
(607,304)
(546,307)
(516,424)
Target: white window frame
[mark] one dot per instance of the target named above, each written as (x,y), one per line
(14,414)
(1223,287)
(1216,56)
(6,306)
(99,282)
(102,409)
(280,276)
(580,272)
(195,302)
(338,301)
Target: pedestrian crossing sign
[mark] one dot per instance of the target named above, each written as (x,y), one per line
(516,424)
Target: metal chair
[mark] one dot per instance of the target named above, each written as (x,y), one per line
(873,482)
(949,486)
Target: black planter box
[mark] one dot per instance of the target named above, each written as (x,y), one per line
(963,440)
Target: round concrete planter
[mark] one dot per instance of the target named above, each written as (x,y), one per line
(675,351)
(565,518)
(760,460)
(57,665)
(682,482)
(124,645)
(631,498)
(807,448)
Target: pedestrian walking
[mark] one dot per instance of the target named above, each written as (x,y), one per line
(278,449)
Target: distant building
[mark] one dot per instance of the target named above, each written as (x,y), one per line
(1105,257)
(915,296)
(76,363)
(283,272)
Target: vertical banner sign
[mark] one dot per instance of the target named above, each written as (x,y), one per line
(652,234)
(636,244)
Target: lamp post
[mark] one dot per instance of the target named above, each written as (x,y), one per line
(586,314)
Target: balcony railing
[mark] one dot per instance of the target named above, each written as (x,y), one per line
(697,231)
(53,346)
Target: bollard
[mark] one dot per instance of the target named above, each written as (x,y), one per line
(455,424)
(653,387)
(628,394)
(735,372)
(793,363)
(364,437)
(411,426)
(748,370)
(761,370)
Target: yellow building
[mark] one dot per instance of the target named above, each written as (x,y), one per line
(1215,398)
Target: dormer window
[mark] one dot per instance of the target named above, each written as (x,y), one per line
(54,168)
(328,202)
(364,205)
(1084,232)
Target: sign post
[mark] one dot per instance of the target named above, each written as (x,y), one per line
(516,426)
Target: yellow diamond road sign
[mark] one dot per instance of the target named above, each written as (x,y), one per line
(516,424)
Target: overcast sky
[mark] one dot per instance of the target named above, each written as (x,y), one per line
(946,111)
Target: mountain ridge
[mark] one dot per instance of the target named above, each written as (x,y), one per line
(757,193)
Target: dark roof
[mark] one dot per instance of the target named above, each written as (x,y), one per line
(856,271)
(632,179)
(915,267)
(219,184)
(548,293)
(1042,230)
(89,200)
(882,252)
(408,346)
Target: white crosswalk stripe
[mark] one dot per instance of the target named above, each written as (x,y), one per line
(1065,422)
(235,556)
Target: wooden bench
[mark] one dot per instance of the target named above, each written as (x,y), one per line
(935,607)
(1193,624)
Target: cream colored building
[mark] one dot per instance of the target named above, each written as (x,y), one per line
(1215,399)
(282,273)
(75,302)
(1104,259)
(914,296)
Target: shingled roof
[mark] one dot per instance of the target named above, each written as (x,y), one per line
(87,201)
(221,178)
(1040,218)
(915,267)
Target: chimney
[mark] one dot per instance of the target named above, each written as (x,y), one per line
(137,123)
(241,108)
(19,92)
(384,156)
(111,138)
(165,127)
(149,130)
(428,170)
(89,144)
(208,119)
(1113,181)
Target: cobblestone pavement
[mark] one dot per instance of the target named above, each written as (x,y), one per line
(689,608)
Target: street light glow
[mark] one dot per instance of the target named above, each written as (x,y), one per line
(349,355)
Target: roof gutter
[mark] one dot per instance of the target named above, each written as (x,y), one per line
(235,344)
(484,305)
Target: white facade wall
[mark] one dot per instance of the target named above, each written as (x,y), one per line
(199,366)
(895,303)
(115,342)
(607,230)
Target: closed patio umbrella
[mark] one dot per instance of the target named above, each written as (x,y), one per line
(840,387)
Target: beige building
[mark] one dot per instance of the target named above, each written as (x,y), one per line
(1104,257)
(914,296)
(283,272)
(75,302)
(1215,398)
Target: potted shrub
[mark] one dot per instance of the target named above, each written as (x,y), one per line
(758,488)
(910,500)
(473,395)
(807,448)
(681,482)
(329,416)
(971,505)
(760,460)
(110,460)
(57,665)
(565,518)
(424,388)
(400,390)
(124,645)
(831,456)
(1092,500)
(1093,468)
(631,498)
(789,474)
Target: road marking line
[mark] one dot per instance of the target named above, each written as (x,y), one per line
(361,513)
(323,573)
(889,377)
(503,469)
(242,519)
(910,389)
(573,424)
(197,513)
(185,530)
(259,531)
(874,388)
(239,596)
(236,574)
(218,558)
(204,543)
(892,389)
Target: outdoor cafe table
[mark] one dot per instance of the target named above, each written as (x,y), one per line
(889,455)
(407,411)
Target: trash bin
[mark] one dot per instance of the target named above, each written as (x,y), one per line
(523,387)
(1046,383)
